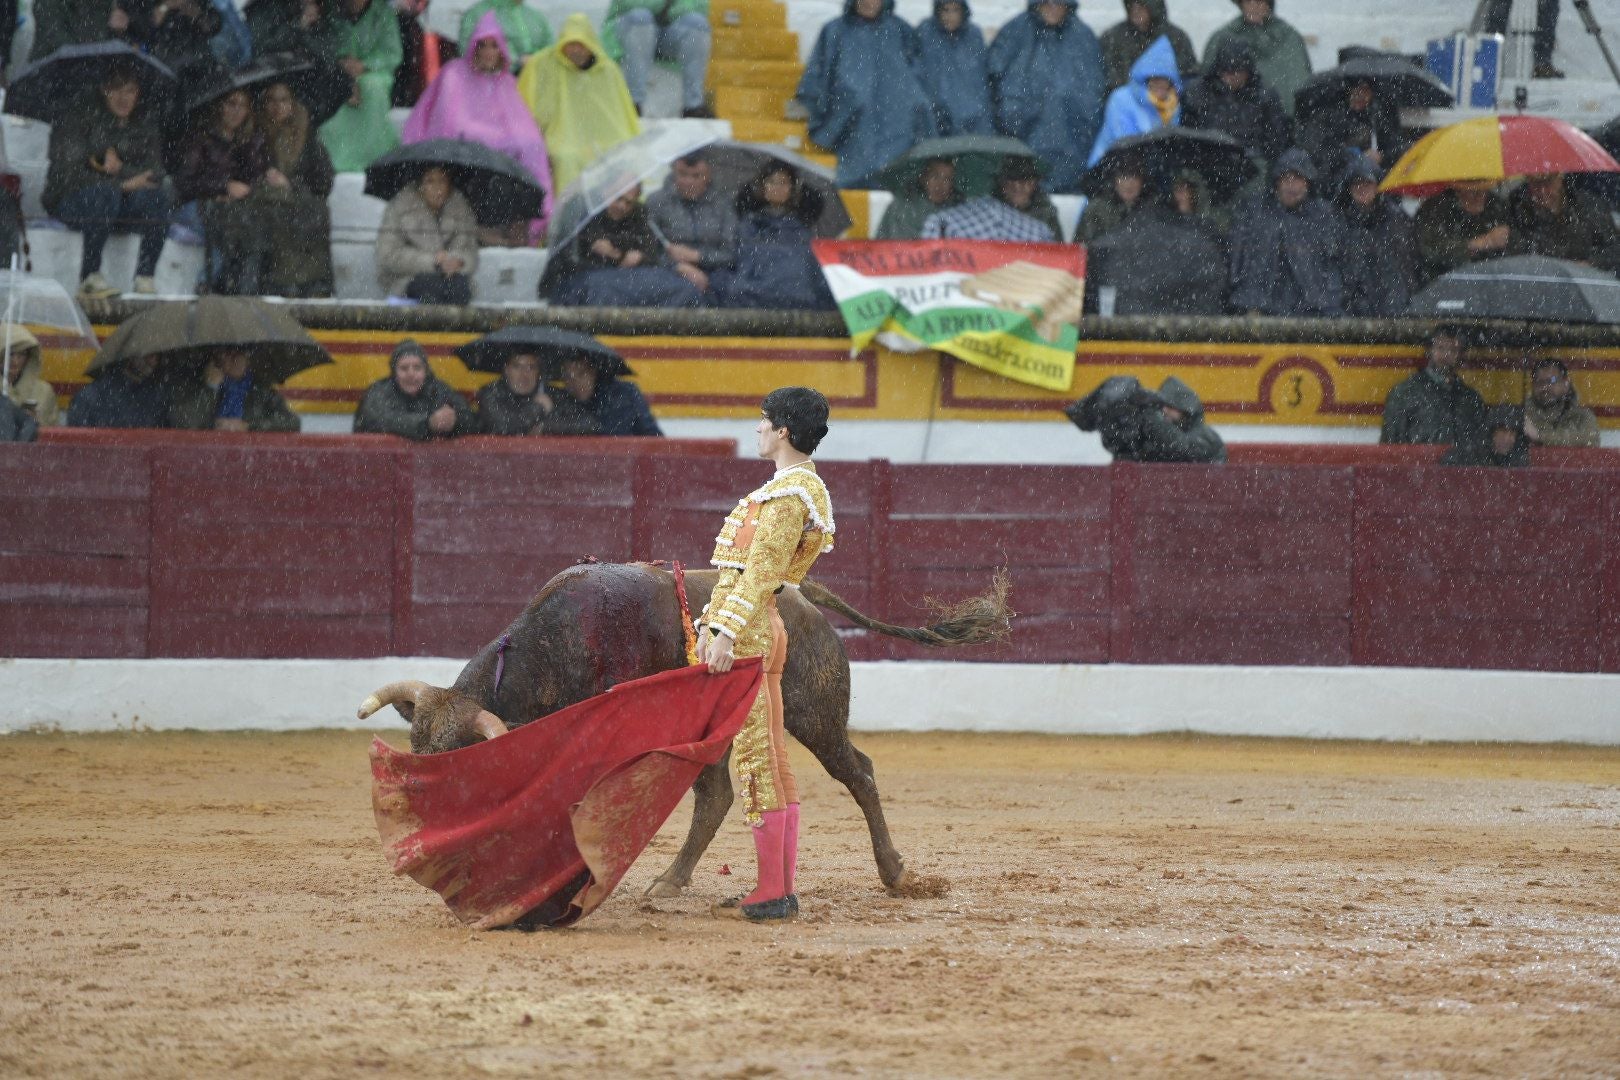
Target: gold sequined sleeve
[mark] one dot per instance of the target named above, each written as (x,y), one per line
(765,567)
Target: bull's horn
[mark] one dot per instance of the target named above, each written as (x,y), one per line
(390,694)
(488,725)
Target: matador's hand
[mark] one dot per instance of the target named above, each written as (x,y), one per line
(720,654)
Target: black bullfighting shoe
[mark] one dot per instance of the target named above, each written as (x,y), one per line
(777,910)
(736,901)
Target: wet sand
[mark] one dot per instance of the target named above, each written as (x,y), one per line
(193,905)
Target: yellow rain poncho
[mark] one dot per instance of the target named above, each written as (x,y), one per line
(582,113)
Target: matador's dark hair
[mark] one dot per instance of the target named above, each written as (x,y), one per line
(802,411)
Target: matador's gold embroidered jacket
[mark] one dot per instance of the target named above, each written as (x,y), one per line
(770,540)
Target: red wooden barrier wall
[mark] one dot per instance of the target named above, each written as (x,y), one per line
(286,547)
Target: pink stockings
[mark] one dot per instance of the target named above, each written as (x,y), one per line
(776,850)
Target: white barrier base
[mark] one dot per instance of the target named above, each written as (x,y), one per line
(1316,703)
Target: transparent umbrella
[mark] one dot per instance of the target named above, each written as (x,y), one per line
(42,304)
(620,169)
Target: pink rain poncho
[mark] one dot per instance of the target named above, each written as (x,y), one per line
(483,107)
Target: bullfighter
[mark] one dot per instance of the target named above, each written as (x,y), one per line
(769,543)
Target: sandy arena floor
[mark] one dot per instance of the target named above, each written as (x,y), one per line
(200,905)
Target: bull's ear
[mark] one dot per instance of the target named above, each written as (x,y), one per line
(407,709)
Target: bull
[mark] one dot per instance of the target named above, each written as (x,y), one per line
(596,625)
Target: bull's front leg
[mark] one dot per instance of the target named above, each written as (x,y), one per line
(711,802)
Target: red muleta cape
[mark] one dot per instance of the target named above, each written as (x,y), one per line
(540,824)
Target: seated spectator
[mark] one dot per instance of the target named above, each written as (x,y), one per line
(427,245)
(291,26)
(1145,22)
(224,396)
(176,32)
(1233,98)
(862,90)
(1280,55)
(412,402)
(1380,246)
(516,403)
(1046,78)
(1018,211)
(58,23)
(225,170)
(1151,100)
(609,405)
(16,423)
(525,28)
(1501,444)
(418,54)
(1288,247)
(698,224)
(475,98)
(954,66)
(1461,226)
(776,267)
(579,99)
(1137,424)
(1553,416)
(363,36)
(1190,198)
(935,190)
(617,260)
(1127,196)
(28,388)
(1549,218)
(126,395)
(1362,124)
(1159,262)
(296,188)
(106,176)
(1435,405)
(638,33)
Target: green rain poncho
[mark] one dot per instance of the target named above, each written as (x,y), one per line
(527,30)
(360,134)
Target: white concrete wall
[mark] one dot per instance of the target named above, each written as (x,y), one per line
(1324,703)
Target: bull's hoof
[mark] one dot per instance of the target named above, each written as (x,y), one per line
(663,890)
(909,886)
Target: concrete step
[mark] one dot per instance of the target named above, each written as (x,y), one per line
(789,133)
(752,14)
(738,103)
(746,43)
(762,73)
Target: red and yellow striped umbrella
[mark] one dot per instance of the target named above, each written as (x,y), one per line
(1495,148)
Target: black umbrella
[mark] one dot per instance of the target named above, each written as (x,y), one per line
(977,158)
(552,345)
(321,86)
(51,85)
(1523,287)
(499,187)
(733,165)
(1214,155)
(1395,80)
(187,331)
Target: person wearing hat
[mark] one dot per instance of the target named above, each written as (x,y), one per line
(412,402)
(1232,97)
(1380,245)
(1046,78)
(27,389)
(1145,22)
(1288,247)
(1434,405)
(1280,55)
(1500,444)
(953,64)
(1149,101)
(1016,212)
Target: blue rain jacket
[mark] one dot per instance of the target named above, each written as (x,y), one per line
(862,92)
(1130,111)
(1047,83)
(955,71)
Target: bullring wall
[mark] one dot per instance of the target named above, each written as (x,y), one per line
(163,545)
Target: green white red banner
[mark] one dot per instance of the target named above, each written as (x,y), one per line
(1009,308)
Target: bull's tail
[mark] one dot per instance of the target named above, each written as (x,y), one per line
(975,621)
